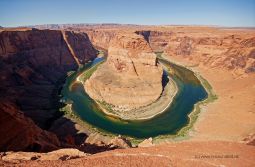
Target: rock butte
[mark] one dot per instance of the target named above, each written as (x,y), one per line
(33,61)
(130,78)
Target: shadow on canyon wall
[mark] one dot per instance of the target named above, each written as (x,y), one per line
(33,66)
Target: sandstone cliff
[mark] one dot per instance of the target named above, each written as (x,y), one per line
(231,52)
(157,39)
(101,38)
(20,133)
(130,78)
(81,45)
(32,65)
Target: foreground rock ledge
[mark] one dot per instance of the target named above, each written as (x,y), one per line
(130,78)
(184,154)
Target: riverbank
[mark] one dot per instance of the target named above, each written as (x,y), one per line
(147,112)
(185,133)
(231,116)
(187,82)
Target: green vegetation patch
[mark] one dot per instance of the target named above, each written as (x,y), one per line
(183,133)
(87,74)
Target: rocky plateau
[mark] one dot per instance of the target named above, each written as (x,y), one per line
(35,62)
(130,78)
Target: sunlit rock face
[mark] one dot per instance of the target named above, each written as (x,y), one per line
(130,78)
(234,53)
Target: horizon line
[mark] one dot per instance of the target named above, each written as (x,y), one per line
(131,24)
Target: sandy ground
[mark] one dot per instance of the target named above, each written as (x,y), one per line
(232,116)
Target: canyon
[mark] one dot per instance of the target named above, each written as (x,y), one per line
(130,78)
(34,63)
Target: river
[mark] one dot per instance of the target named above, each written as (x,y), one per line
(190,92)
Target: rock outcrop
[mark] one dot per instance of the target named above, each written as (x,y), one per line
(61,154)
(130,78)
(250,140)
(81,46)
(100,140)
(184,154)
(232,53)
(33,63)
(101,38)
(20,133)
(158,40)
(146,143)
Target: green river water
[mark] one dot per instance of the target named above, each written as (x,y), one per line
(190,92)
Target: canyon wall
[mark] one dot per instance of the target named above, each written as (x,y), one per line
(20,133)
(231,52)
(101,38)
(158,40)
(229,49)
(33,64)
(81,45)
(130,78)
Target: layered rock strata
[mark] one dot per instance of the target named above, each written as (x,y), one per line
(130,78)
(158,40)
(234,53)
(101,38)
(32,65)
(20,133)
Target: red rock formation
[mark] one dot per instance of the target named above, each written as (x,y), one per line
(61,154)
(183,154)
(130,78)
(32,64)
(250,139)
(101,38)
(157,39)
(81,45)
(20,133)
(231,52)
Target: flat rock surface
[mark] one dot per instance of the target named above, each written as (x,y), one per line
(205,154)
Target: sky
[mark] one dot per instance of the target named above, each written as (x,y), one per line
(232,13)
